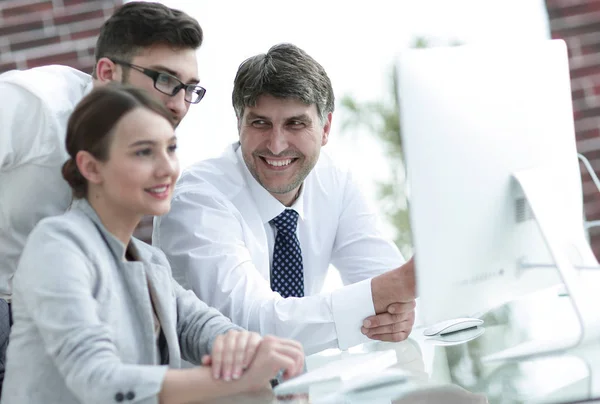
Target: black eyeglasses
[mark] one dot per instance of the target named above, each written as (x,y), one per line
(168,84)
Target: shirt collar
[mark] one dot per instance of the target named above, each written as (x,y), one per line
(115,245)
(267,205)
(89,87)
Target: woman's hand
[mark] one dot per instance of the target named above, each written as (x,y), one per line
(273,355)
(232,353)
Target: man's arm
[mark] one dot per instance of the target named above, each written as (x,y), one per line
(360,251)
(203,239)
(22,119)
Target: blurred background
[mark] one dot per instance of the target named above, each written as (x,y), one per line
(357,44)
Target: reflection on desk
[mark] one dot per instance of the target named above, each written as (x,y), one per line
(440,373)
(456,338)
(409,360)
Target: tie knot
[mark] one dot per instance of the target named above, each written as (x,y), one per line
(286,221)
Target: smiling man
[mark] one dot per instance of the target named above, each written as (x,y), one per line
(254,231)
(145,44)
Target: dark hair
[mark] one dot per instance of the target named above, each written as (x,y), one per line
(92,123)
(139,24)
(285,71)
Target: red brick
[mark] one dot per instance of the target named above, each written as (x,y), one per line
(568,9)
(91,51)
(588,134)
(577,93)
(77,17)
(590,190)
(595,244)
(73,61)
(594,231)
(4,67)
(85,34)
(593,155)
(587,112)
(590,49)
(17,8)
(589,187)
(588,199)
(14,26)
(52,59)
(585,71)
(84,66)
(567,3)
(34,43)
(67,3)
(592,210)
(583,27)
(587,124)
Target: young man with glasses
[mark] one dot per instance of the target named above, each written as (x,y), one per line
(145,44)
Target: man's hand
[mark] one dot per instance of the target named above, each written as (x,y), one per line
(395,286)
(394,294)
(392,326)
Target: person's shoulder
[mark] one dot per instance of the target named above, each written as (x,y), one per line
(51,76)
(72,231)
(329,173)
(72,222)
(221,175)
(56,86)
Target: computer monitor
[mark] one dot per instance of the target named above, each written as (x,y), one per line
(493,177)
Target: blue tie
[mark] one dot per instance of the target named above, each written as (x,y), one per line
(287,276)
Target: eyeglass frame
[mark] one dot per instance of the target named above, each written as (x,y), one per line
(154,74)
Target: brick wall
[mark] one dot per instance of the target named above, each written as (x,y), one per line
(578,23)
(41,32)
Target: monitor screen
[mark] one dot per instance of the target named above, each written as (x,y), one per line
(472,118)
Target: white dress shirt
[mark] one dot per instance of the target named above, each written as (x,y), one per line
(35,106)
(219,241)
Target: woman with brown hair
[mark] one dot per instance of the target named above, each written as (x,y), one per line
(97,315)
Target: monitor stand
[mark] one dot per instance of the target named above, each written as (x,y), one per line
(538,187)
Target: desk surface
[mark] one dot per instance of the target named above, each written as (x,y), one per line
(450,371)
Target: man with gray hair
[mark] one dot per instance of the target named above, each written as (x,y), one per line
(254,231)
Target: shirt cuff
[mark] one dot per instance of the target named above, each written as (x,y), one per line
(351,305)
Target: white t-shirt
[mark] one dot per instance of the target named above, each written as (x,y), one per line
(34,109)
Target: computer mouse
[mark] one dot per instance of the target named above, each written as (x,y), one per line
(453,325)
(456,338)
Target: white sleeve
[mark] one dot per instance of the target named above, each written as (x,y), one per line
(360,252)
(203,239)
(23,122)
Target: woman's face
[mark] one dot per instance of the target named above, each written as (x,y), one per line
(142,167)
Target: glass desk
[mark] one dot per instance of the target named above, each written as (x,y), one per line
(452,369)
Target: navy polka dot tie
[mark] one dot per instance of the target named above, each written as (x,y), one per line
(287,276)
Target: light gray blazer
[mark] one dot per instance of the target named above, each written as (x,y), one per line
(83,324)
